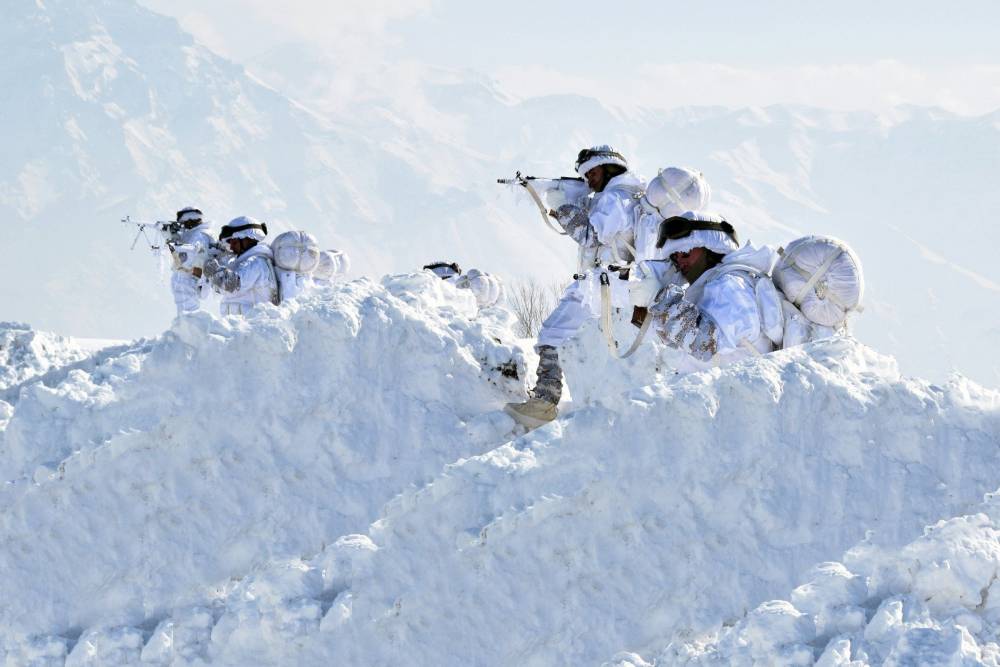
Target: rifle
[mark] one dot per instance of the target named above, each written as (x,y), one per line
(570,188)
(186,257)
(166,229)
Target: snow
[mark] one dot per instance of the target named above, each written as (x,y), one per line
(930,602)
(26,353)
(331,482)
(160,471)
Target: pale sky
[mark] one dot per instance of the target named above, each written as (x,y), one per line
(847,55)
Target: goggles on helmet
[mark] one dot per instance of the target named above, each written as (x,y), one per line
(588,153)
(228,231)
(677,227)
(189,217)
(442,267)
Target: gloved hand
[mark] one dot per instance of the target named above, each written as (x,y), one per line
(669,296)
(212,266)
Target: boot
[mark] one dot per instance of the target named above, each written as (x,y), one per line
(540,408)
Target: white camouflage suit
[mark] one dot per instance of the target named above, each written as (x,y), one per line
(188,290)
(605,241)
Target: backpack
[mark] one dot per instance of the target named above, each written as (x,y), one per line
(821,281)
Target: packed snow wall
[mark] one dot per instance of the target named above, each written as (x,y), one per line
(935,601)
(138,482)
(26,353)
(651,516)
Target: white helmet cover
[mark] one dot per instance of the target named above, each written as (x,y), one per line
(189,214)
(444,269)
(710,239)
(244,227)
(596,156)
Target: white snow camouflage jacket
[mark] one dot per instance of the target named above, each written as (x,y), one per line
(187,289)
(730,312)
(612,219)
(256,282)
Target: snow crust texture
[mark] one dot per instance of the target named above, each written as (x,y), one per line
(153,480)
(26,353)
(933,602)
(221,498)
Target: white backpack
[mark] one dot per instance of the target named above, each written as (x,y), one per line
(822,283)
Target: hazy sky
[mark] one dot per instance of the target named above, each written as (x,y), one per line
(848,54)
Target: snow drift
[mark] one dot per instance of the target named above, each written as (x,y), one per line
(220,497)
(935,601)
(26,353)
(139,484)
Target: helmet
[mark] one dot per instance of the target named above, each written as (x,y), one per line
(244,227)
(682,233)
(675,190)
(444,269)
(589,158)
(189,217)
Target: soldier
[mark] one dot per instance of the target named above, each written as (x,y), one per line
(249,278)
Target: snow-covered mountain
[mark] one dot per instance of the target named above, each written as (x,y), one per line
(118,111)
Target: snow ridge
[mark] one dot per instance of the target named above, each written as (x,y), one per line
(656,513)
(138,485)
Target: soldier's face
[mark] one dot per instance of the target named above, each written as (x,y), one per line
(595,178)
(240,246)
(691,264)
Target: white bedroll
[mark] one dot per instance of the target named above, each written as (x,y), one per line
(822,281)
(332,264)
(296,255)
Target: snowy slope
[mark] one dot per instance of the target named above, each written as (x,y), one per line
(26,353)
(139,483)
(652,515)
(932,602)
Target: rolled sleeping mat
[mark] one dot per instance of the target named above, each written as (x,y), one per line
(822,277)
(296,251)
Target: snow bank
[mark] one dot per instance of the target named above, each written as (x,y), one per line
(26,353)
(136,486)
(936,601)
(651,516)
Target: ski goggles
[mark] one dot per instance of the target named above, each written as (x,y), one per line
(678,227)
(188,215)
(588,153)
(228,231)
(444,269)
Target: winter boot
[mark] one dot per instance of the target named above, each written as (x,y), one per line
(541,408)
